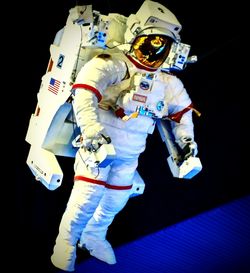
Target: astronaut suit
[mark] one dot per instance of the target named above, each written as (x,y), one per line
(119,97)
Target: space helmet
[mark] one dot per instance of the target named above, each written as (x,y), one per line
(151,32)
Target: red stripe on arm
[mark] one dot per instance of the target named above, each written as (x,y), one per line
(177,116)
(90,88)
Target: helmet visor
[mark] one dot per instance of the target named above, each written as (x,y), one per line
(151,50)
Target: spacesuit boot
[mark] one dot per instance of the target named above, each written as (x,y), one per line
(80,208)
(93,236)
(100,249)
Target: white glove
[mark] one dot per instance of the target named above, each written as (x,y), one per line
(93,144)
(188,146)
(93,139)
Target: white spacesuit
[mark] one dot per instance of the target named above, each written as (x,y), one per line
(119,98)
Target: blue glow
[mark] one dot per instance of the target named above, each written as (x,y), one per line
(212,242)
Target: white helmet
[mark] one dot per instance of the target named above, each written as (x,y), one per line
(152,17)
(151,32)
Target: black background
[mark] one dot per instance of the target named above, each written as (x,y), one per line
(216,85)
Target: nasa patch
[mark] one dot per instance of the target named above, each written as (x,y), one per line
(144,85)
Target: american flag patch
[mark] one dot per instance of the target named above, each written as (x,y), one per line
(54,86)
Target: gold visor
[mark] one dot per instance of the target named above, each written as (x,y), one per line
(151,50)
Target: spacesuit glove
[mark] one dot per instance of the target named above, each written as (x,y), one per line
(92,145)
(94,137)
(188,146)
